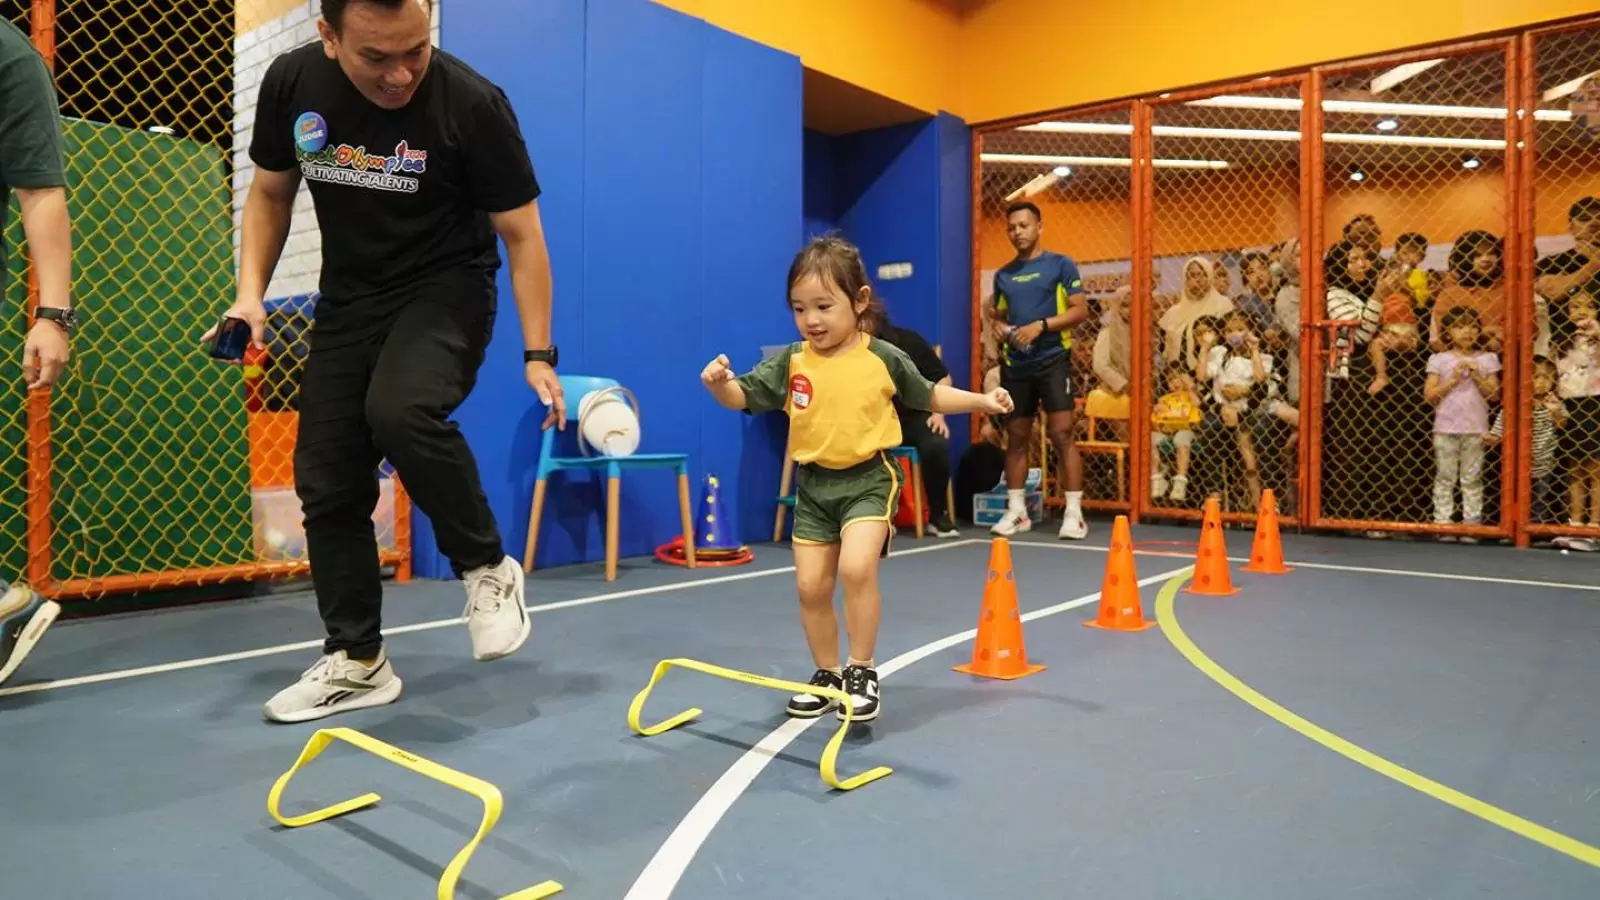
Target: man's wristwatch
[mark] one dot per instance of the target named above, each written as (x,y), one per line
(550,356)
(66,318)
(1044,323)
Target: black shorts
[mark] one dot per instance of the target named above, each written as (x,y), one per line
(1049,385)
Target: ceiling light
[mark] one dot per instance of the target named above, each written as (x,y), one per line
(1388,125)
(1470,162)
(1046,160)
(1266,134)
(1357,175)
(1061,171)
(160,129)
(1373,108)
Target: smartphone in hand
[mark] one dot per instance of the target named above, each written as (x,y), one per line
(233,336)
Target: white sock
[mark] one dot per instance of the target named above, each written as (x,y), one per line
(1074,504)
(1014,500)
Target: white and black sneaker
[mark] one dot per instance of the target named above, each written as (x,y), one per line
(335,684)
(24,616)
(809,706)
(861,683)
(497,621)
(945,527)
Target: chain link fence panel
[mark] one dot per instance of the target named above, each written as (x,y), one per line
(1416,283)
(1077,170)
(151,465)
(1560,444)
(1225,202)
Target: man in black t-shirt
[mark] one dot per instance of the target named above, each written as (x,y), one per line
(1560,275)
(31,161)
(415,164)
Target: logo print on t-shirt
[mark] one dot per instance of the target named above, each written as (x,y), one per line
(310,132)
(354,166)
(800,391)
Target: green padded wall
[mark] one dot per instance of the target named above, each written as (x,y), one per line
(150,440)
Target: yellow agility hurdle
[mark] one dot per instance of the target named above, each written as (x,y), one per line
(483,790)
(830,753)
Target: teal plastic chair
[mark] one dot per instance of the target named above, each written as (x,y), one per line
(575,388)
(786,489)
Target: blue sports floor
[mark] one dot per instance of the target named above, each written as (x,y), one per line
(1390,720)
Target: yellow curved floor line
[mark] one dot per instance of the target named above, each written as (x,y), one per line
(830,753)
(1555,840)
(483,790)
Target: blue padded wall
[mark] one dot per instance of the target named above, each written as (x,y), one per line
(670,156)
(530,50)
(752,191)
(904,194)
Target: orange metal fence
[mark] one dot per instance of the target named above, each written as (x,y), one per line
(1302,251)
(149,465)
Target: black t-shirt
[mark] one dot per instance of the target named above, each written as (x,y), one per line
(402,196)
(1566,262)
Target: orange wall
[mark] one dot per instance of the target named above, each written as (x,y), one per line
(1025,56)
(901,49)
(1221,217)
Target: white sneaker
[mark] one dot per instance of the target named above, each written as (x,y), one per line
(1180,488)
(1158,486)
(1014,521)
(496,619)
(335,684)
(1073,528)
(24,616)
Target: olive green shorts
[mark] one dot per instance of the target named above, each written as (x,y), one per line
(828,500)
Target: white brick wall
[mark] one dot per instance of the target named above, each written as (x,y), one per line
(254,50)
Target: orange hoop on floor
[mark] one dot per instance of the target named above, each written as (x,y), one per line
(672,554)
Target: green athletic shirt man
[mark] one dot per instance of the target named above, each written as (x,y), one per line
(31,162)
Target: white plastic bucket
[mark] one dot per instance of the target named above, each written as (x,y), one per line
(608,420)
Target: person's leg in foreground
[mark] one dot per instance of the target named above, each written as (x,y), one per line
(363,402)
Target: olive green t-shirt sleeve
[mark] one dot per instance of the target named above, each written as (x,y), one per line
(913,390)
(30,117)
(766,387)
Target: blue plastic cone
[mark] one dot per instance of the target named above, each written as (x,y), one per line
(713,527)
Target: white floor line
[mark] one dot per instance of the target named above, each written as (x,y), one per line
(1334,567)
(180,665)
(662,873)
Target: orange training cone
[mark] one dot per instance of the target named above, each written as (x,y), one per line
(1211,562)
(998,652)
(1119,593)
(1266,554)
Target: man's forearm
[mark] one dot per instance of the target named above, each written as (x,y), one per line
(265,227)
(48,225)
(532,285)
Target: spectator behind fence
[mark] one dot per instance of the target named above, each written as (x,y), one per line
(1462,380)
(1112,363)
(1475,280)
(1286,308)
(1560,275)
(1410,249)
(1176,414)
(1197,297)
(1549,417)
(1579,385)
(1259,291)
(1237,371)
(1375,450)
(1397,323)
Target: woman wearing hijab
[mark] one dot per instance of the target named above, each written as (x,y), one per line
(1112,363)
(1198,297)
(1376,451)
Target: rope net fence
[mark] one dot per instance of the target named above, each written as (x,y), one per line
(151,465)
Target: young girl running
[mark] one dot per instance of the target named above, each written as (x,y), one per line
(838,387)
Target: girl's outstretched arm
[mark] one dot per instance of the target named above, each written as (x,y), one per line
(953,400)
